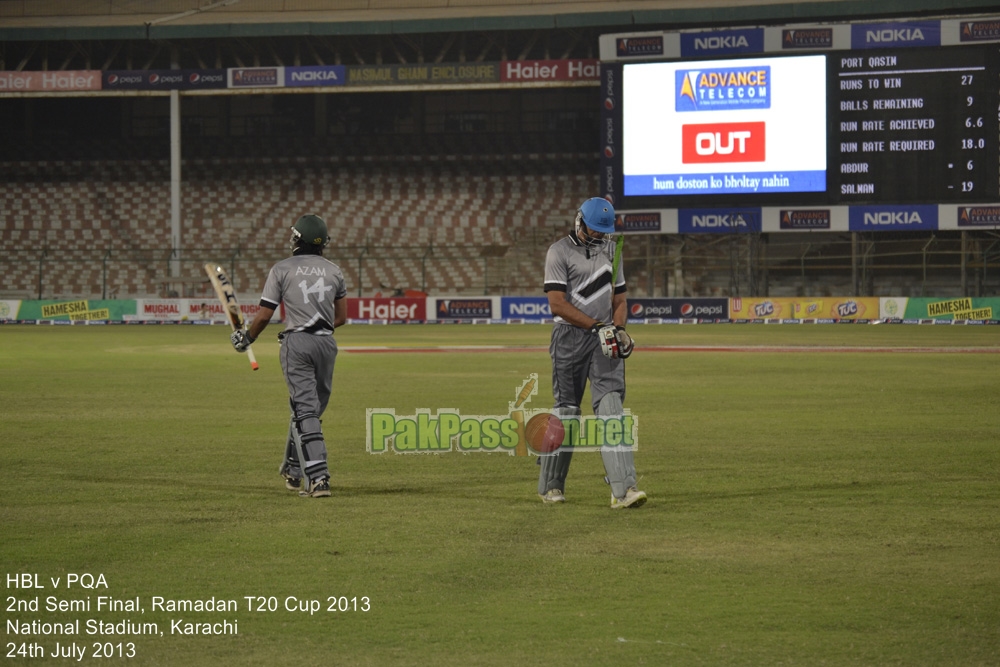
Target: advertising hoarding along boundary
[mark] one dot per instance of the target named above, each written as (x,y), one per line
(435,75)
(392,309)
(928,308)
(792,308)
(526,310)
(711,308)
(63,81)
(164,79)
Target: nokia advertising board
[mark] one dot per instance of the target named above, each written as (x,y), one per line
(528,308)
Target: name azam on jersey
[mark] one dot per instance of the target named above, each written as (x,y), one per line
(319,288)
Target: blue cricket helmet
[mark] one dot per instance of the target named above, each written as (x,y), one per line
(598,214)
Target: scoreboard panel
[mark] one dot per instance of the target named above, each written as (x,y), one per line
(915,125)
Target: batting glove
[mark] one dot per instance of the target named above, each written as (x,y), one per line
(241,340)
(607,334)
(625,343)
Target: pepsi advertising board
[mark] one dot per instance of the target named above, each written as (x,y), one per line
(164,79)
(900,119)
(678,309)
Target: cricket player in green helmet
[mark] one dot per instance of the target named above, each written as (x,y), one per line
(314,295)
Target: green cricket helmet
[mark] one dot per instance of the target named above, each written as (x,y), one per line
(309,230)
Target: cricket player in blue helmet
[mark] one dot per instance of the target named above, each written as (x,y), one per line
(588,298)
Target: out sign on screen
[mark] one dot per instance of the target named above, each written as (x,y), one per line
(723,142)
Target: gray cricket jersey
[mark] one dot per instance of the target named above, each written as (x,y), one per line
(308,285)
(584,274)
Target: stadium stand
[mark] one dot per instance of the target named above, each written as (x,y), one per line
(428,223)
(447,191)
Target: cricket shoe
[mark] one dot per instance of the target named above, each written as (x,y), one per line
(633,498)
(318,488)
(292,483)
(553,496)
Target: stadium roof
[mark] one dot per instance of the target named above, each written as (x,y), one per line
(43,35)
(57,20)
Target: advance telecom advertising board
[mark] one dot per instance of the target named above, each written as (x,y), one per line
(722,127)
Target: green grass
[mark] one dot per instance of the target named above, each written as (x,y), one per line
(835,508)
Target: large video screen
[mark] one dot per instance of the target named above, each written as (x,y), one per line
(885,127)
(752,126)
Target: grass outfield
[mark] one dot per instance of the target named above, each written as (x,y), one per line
(836,507)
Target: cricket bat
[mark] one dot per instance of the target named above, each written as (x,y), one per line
(230,306)
(616,262)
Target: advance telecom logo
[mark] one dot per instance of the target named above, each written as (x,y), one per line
(641,222)
(805,219)
(980,31)
(979,216)
(723,89)
(464,308)
(639,46)
(259,77)
(807,38)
